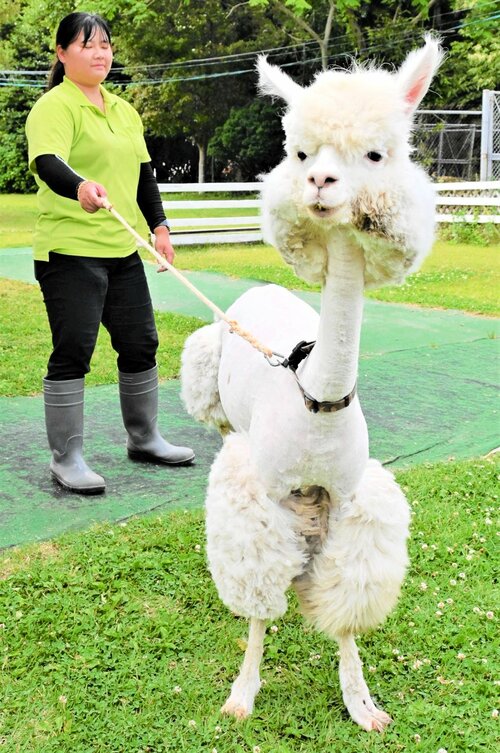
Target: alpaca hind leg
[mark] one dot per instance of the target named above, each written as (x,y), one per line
(247,684)
(199,377)
(355,691)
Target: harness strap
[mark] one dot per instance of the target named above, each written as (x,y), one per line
(298,354)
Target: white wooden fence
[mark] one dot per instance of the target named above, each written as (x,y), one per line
(457,202)
(195,229)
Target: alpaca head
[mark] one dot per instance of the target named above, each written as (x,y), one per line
(347,128)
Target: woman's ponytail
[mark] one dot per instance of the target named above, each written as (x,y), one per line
(56,74)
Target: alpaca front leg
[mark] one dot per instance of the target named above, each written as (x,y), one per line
(247,684)
(355,690)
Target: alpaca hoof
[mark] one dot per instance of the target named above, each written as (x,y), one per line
(238,710)
(380,720)
(240,702)
(364,712)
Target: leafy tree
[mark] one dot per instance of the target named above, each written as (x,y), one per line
(315,21)
(191,99)
(250,141)
(473,61)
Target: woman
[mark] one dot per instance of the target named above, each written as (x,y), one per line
(83,143)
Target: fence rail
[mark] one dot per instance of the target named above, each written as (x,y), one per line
(457,202)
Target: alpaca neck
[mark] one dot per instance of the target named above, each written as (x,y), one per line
(330,371)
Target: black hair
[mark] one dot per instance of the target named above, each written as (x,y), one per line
(68,30)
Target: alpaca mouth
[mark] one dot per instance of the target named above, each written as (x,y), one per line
(320,210)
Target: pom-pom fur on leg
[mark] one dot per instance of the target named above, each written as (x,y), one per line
(199,377)
(252,548)
(355,581)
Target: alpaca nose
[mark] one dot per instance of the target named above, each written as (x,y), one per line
(321,179)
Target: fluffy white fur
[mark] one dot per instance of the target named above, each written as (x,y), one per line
(293,499)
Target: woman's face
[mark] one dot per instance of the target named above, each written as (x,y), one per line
(87,64)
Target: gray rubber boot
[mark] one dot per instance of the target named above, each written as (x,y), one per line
(139,404)
(64,423)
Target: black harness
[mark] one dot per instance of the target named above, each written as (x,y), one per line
(298,354)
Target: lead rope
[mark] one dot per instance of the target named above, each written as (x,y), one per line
(233,324)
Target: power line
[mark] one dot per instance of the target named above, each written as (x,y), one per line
(29,82)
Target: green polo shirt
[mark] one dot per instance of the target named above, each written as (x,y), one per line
(104,147)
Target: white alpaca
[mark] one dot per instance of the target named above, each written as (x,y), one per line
(292,497)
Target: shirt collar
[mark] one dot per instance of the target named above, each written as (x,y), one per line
(82,99)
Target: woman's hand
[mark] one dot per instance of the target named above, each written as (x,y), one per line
(90,196)
(163,245)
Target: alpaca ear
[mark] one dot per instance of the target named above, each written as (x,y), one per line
(417,71)
(273,81)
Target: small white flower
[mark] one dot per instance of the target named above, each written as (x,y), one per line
(425,546)
(449,601)
(197,548)
(273,628)
(177,689)
(372,669)
(462,575)
(417,664)
(401,658)
(442,750)
(417,738)
(490,615)
(441,605)
(423,586)
(460,656)
(218,729)
(192,723)
(488,521)
(438,613)
(476,610)
(63,700)
(494,714)
(453,582)
(256,749)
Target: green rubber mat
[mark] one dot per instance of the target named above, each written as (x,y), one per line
(33,506)
(427,382)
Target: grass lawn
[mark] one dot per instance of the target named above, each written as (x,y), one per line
(454,276)
(114,640)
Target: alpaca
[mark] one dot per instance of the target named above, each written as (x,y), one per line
(293,498)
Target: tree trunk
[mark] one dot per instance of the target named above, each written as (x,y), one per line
(202,153)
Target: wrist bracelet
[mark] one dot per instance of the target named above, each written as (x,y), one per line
(79,188)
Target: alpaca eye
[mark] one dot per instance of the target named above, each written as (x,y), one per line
(302,156)
(374,156)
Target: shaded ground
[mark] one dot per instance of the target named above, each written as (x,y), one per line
(427,382)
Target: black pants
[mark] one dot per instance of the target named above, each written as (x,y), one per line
(79,293)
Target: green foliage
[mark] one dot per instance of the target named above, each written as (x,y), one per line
(114,641)
(473,61)
(14,172)
(250,141)
(473,233)
(192,103)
